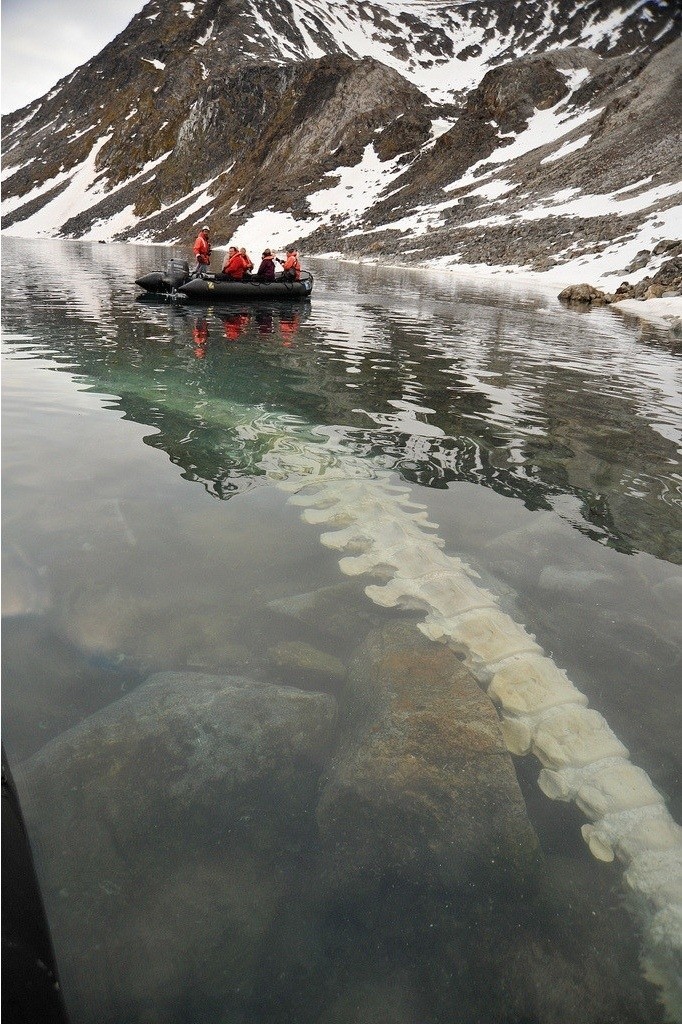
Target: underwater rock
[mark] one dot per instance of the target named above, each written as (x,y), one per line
(235,657)
(571,581)
(189,777)
(525,549)
(422,786)
(307,662)
(339,611)
(176,749)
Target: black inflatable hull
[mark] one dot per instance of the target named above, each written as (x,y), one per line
(157,284)
(209,289)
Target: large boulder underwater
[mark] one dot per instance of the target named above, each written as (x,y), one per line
(217,847)
(422,785)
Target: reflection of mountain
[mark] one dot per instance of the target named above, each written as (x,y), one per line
(441,381)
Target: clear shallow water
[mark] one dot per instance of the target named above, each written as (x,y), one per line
(545,444)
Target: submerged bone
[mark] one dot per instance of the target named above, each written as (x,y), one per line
(519,730)
(441,591)
(414,557)
(621,788)
(488,635)
(531,683)
(541,710)
(332,514)
(657,875)
(564,783)
(662,957)
(629,833)
(352,538)
(576,737)
(601,787)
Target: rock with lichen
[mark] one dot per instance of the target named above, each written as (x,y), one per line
(422,787)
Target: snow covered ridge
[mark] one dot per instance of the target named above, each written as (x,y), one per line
(448,134)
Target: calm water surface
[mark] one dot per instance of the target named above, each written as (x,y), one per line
(142,534)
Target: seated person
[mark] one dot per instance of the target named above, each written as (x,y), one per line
(266,270)
(249,261)
(291,268)
(234,265)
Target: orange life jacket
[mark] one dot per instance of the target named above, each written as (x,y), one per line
(235,266)
(202,249)
(291,263)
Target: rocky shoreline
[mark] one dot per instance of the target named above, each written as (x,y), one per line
(664,289)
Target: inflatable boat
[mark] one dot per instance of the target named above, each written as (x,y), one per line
(176,282)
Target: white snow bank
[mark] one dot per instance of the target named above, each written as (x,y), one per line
(203,39)
(86,188)
(664,312)
(272,230)
(543,128)
(568,147)
(9,172)
(358,189)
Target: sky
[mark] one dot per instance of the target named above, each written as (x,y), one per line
(43,40)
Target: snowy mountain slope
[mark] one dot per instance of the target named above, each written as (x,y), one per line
(360,127)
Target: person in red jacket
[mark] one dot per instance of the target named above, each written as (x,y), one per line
(234,264)
(202,250)
(249,261)
(291,268)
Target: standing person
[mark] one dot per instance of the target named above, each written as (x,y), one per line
(266,270)
(202,250)
(291,268)
(234,264)
(249,261)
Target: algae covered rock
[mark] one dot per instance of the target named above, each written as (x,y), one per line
(422,786)
(180,746)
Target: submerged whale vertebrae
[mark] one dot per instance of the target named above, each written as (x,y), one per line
(384,533)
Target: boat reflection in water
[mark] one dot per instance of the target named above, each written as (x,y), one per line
(281,320)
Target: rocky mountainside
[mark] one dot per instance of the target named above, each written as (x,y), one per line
(528,134)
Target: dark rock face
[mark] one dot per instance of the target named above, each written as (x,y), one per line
(512,93)
(502,104)
(257,112)
(422,787)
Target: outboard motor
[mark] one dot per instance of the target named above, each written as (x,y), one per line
(166,282)
(176,273)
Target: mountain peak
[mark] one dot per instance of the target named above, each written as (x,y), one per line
(310,118)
